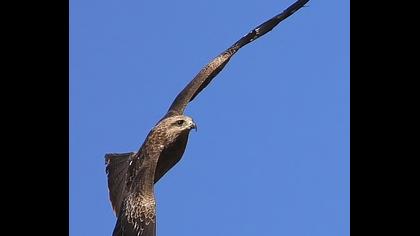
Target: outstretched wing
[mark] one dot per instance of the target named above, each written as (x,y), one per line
(203,78)
(116,170)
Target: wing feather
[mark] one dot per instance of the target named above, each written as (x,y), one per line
(204,77)
(116,169)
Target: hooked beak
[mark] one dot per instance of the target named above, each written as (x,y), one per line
(193,126)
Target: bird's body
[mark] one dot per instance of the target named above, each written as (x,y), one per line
(131,176)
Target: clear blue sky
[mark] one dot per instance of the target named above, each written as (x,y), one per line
(271,155)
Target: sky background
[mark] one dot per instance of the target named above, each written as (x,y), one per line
(271,155)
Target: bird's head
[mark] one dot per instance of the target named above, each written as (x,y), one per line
(174,126)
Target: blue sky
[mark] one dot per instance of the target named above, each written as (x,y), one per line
(271,155)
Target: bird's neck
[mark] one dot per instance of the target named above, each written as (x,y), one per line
(146,174)
(150,152)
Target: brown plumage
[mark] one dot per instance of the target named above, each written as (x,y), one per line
(131,176)
(133,200)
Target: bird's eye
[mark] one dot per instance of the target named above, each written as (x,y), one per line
(180,122)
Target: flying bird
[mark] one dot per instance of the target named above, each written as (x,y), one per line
(132,175)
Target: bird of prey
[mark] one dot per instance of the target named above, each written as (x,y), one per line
(131,176)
